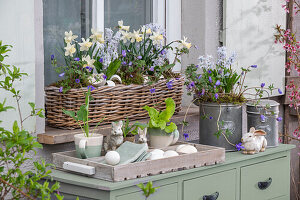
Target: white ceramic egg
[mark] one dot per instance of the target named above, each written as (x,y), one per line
(155,156)
(157,151)
(187,149)
(112,157)
(110,83)
(180,146)
(170,153)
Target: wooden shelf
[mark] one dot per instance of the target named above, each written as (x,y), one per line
(60,136)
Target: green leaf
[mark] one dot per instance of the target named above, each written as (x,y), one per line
(16,127)
(172,127)
(70,113)
(113,68)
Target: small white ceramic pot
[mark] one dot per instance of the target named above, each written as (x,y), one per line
(88,147)
(159,138)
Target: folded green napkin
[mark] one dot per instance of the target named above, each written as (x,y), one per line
(130,152)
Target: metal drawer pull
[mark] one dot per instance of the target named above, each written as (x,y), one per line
(213,196)
(264,185)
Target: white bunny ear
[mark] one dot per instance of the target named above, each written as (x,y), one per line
(260,133)
(252,130)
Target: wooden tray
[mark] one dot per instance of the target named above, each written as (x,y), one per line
(206,155)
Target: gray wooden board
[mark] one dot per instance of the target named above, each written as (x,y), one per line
(206,155)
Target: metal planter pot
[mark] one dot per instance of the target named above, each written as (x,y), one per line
(230,114)
(269,123)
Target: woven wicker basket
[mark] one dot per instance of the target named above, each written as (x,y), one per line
(113,103)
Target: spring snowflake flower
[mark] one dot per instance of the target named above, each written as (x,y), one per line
(89,60)
(156,38)
(97,36)
(69,37)
(85,45)
(136,36)
(122,27)
(126,36)
(184,44)
(70,49)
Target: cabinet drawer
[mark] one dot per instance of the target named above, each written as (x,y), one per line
(265,180)
(224,183)
(163,192)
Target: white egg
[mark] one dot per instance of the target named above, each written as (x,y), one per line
(157,151)
(112,157)
(170,153)
(187,149)
(155,156)
(180,146)
(110,83)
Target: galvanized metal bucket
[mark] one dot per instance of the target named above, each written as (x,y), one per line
(267,123)
(230,116)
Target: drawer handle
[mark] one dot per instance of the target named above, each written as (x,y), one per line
(264,185)
(213,196)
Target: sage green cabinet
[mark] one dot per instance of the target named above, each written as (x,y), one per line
(241,177)
(222,183)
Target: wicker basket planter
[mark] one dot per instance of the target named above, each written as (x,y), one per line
(113,103)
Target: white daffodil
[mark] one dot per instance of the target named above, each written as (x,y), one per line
(89,61)
(69,37)
(184,44)
(156,38)
(136,36)
(126,36)
(70,50)
(122,27)
(148,31)
(85,45)
(97,36)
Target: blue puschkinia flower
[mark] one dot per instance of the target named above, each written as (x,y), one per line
(124,63)
(62,74)
(130,63)
(210,79)
(199,76)
(90,87)
(216,96)
(151,69)
(152,90)
(218,83)
(124,53)
(139,57)
(76,59)
(262,117)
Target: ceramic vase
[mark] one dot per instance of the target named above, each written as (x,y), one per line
(88,147)
(159,138)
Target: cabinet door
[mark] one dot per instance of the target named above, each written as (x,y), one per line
(265,180)
(163,193)
(223,183)
(282,198)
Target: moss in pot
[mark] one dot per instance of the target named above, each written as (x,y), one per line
(161,131)
(87,144)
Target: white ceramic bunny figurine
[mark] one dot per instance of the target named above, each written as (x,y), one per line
(254,141)
(115,138)
(142,135)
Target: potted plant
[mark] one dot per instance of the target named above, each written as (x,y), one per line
(161,132)
(88,144)
(219,91)
(140,60)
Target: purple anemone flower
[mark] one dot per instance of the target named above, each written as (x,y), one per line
(163,52)
(216,96)
(279,119)
(262,85)
(124,53)
(218,83)
(262,117)
(209,71)
(62,74)
(151,69)
(104,76)
(130,63)
(253,66)
(76,59)
(210,79)
(124,63)
(197,66)
(77,80)
(152,90)
(89,68)
(279,91)
(210,117)
(101,60)
(185,135)
(170,84)
(199,76)
(61,89)
(90,87)
(239,146)
(52,57)
(139,57)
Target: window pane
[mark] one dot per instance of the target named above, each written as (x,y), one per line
(134,13)
(60,16)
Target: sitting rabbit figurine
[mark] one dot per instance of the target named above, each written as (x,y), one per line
(142,135)
(115,138)
(254,141)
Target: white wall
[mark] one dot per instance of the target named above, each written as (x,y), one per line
(17,29)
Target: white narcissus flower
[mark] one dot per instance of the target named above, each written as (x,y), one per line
(69,37)
(184,44)
(97,36)
(122,27)
(70,50)
(126,36)
(156,38)
(85,45)
(148,31)
(136,36)
(89,60)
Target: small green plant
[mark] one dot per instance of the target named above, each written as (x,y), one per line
(148,189)
(131,129)
(18,144)
(161,119)
(82,115)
